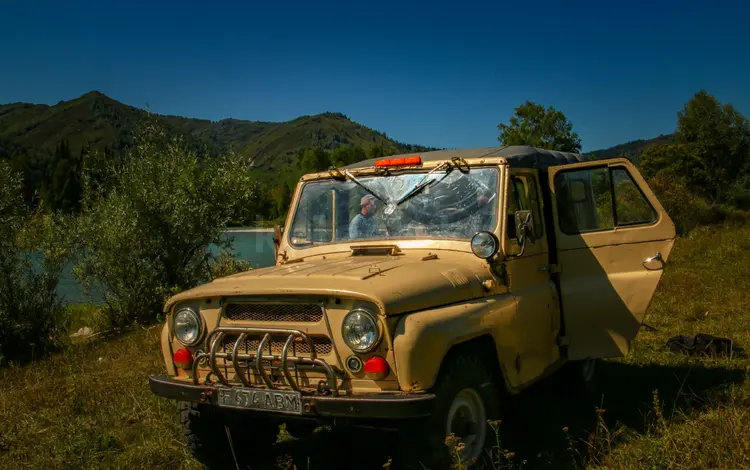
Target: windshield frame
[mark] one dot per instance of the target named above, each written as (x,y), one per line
(499,165)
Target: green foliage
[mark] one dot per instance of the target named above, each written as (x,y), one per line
(534,125)
(314,160)
(146,236)
(31,259)
(719,136)
(343,156)
(677,161)
(683,207)
(226,264)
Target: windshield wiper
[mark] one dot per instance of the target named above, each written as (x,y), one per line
(351,177)
(418,187)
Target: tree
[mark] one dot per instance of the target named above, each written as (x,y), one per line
(147,236)
(677,161)
(343,156)
(376,151)
(534,125)
(314,160)
(282,197)
(720,137)
(32,255)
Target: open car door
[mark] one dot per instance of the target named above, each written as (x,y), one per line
(613,241)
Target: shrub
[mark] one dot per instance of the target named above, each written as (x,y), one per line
(687,210)
(683,207)
(226,264)
(31,260)
(145,237)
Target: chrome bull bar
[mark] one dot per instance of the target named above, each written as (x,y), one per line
(214,339)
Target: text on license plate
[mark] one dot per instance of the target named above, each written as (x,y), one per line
(284,401)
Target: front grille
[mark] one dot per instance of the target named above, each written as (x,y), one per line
(275,345)
(292,312)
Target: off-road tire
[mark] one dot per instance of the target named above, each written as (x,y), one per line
(204,431)
(422,445)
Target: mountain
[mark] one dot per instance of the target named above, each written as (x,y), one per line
(46,143)
(632,150)
(100,121)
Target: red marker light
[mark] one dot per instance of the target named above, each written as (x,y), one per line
(183,359)
(416,160)
(376,368)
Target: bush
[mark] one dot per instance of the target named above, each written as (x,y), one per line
(687,210)
(226,264)
(31,260)
(145,237)
(683,207)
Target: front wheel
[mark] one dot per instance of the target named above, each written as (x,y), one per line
(468,396)
(210,440)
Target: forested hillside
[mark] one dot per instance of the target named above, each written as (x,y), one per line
(633,149)
(49,144)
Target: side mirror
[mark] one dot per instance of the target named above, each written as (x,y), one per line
(524,224)
(521,228)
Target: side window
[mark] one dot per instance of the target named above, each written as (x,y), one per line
(632,208)
(595,199)
(525,196)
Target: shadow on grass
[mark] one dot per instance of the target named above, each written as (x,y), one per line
(533,427)
(534,420)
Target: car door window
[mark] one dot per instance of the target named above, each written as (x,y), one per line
(600,198)
(631,205)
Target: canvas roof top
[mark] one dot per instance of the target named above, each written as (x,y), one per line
(523,156)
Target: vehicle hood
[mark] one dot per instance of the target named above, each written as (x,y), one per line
(397,284)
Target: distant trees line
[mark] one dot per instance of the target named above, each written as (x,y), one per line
(54,181)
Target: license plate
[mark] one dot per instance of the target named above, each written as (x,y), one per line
(279,401)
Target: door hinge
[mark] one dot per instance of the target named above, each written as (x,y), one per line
(553,268)
(562,341)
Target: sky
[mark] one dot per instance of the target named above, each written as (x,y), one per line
(428,73)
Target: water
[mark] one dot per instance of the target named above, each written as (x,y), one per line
(253,245)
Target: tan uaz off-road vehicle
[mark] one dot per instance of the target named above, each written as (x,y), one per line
(417,288)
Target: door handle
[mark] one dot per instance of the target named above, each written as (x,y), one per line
(656,257)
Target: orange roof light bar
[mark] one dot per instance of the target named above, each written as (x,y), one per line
(416,160)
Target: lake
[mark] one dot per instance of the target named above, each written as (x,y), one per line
(253,245)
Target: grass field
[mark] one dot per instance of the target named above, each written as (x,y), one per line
(90,407)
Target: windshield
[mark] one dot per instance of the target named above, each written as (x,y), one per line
(453,204)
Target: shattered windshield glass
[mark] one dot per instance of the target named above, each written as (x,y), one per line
(450,204)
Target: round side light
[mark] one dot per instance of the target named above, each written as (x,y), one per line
(354,364)
(484,244)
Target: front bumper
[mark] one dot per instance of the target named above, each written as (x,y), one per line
(377,406)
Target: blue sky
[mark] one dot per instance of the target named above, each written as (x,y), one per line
(438,74)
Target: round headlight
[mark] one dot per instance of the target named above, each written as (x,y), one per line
(186,326)
(360,330)
(484,244)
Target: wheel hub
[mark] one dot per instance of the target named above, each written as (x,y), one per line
(467,417)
